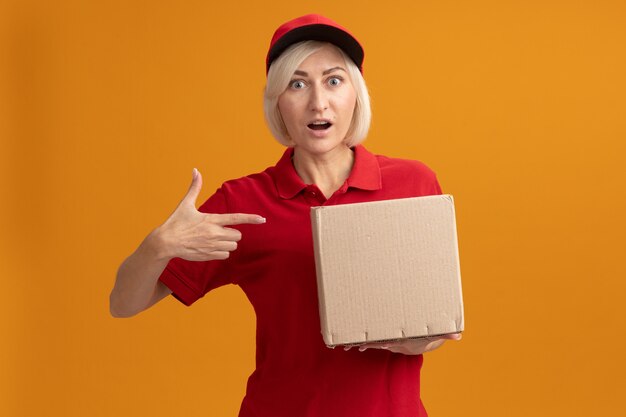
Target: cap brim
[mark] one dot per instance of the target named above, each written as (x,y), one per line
(318,32)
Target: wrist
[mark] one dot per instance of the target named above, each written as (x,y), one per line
(155,245)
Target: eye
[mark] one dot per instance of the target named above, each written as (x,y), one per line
(335,81)
(297,84)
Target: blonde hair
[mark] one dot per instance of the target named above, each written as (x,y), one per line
(280,73)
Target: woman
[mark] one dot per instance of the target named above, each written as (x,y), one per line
(255,232)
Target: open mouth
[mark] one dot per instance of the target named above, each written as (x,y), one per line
(321,125)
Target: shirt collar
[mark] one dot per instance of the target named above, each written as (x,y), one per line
(365,173)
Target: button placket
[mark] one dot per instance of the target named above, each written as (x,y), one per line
(314,196)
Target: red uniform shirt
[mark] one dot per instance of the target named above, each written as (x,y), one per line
(296,374)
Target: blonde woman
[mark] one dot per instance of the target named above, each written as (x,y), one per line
(255,232)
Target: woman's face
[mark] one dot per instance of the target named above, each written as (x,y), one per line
(318,104)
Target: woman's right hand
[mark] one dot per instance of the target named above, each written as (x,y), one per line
(187,234)
(195,236)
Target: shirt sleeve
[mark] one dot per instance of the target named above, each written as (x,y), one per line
(436,187)
(191,280)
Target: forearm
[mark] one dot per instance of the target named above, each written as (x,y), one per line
(136,285)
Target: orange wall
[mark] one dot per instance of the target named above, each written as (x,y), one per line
(105,108)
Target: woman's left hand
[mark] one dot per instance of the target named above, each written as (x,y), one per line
(411,346)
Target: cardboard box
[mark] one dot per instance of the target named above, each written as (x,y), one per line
(387,270)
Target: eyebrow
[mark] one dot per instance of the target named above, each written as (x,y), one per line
(328,71)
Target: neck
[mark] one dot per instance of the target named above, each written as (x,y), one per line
(328,171)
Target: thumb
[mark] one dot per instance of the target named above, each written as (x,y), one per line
(194,188)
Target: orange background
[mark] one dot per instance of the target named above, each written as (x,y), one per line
(106,106)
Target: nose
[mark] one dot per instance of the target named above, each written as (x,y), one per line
(318,99)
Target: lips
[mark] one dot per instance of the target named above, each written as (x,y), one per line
(319,125)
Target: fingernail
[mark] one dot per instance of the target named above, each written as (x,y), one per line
(384,347)
(362,349)
(195,173)
(262,219)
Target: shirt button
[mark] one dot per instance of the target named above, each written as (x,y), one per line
(312,193)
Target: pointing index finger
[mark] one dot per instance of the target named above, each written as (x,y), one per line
(231,219)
